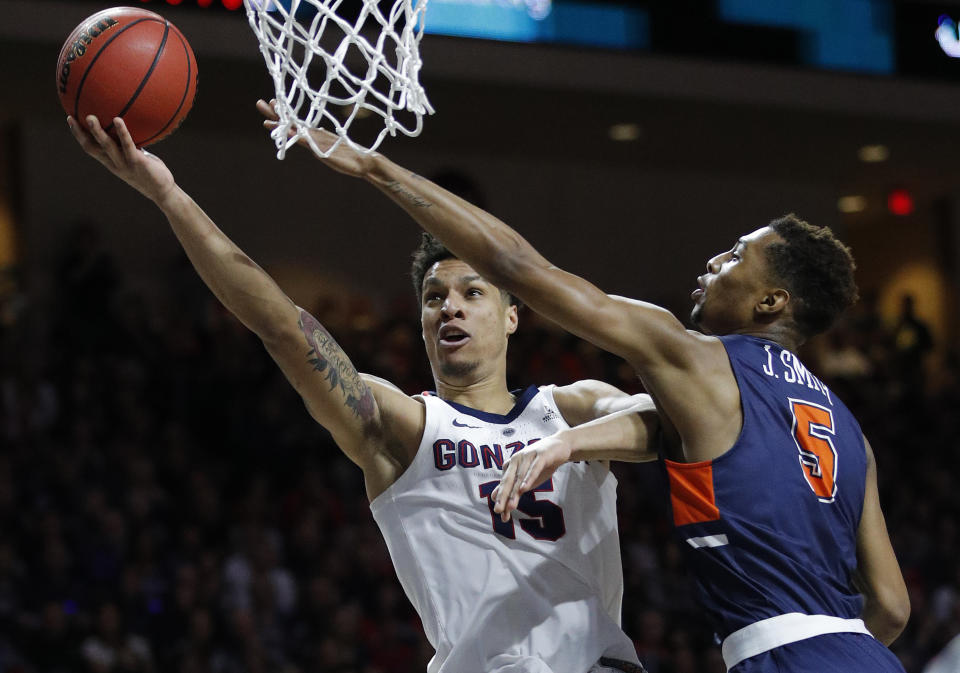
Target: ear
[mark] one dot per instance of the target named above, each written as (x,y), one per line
(773,302)
(512,319)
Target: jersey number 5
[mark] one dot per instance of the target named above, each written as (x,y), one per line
(813,432)
(546,522)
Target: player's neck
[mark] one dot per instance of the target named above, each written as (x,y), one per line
(776,333)
(490,394)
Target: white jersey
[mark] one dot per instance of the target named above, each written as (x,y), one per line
(539,594)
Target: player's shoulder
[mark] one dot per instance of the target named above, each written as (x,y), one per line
(586,389)
(402,417)
(390,398)
(578,402)
(371,379)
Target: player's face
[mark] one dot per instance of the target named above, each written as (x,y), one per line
(736,280)
(465,322)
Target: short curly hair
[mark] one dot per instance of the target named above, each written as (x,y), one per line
(429,252)
(816,269)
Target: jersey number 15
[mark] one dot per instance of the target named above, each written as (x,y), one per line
(546,522)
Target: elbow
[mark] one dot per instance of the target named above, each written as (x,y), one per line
(898,616)
(891,619)
(277,335)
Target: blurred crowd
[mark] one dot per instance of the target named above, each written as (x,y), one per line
(167,504)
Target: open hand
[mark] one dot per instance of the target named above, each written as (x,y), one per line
(344,159)
(138,168)
(526,469)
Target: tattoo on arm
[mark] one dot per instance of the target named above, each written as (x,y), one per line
(405,194)
(326,356)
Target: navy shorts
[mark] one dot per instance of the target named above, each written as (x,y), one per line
(829,653)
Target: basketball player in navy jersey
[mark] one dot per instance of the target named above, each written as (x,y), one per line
(772,483)
(540,594)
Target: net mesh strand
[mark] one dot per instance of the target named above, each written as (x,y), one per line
(323,64)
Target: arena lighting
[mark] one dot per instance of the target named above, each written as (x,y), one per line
(900,202)
(872,154)
(624,133)
(852,204)
(947,37)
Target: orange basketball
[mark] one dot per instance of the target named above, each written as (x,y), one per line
(131,63)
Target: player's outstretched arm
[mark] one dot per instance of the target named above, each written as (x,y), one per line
(690,372)
(334,393)
(886,607)
(645,335)
(614,426)
(637,331)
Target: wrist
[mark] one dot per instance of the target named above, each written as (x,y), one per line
(564,445)
(387,176)
(377,170)
(170,199)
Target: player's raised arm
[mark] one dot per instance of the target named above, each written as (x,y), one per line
(637,331)
(886,605)
(334,393)
(689,371)
(641,333)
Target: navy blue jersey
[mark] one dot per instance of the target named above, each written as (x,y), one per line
(770,527)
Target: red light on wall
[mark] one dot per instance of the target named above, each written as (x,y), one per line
(900,202)
(204,3)
(174,2)
(232,4)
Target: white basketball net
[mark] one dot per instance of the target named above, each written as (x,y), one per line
(328,71)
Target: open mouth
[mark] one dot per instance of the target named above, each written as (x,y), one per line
(696,294)
(452,336)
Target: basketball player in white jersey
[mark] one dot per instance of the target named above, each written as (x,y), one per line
(538,593)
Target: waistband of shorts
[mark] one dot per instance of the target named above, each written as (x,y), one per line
(768,634)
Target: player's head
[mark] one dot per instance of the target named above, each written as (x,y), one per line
(789,273)
(429,252)
(466,321)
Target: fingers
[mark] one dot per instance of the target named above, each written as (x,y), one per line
(267,110)
(529,474)
(83,134)
(127,146)
(505,488)
(103,139)
(520,485)
(520,471)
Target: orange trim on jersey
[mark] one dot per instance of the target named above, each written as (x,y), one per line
(691,492)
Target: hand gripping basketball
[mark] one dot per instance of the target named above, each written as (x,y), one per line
(138,168)
(131,63)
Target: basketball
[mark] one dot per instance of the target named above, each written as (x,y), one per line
(131,63)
